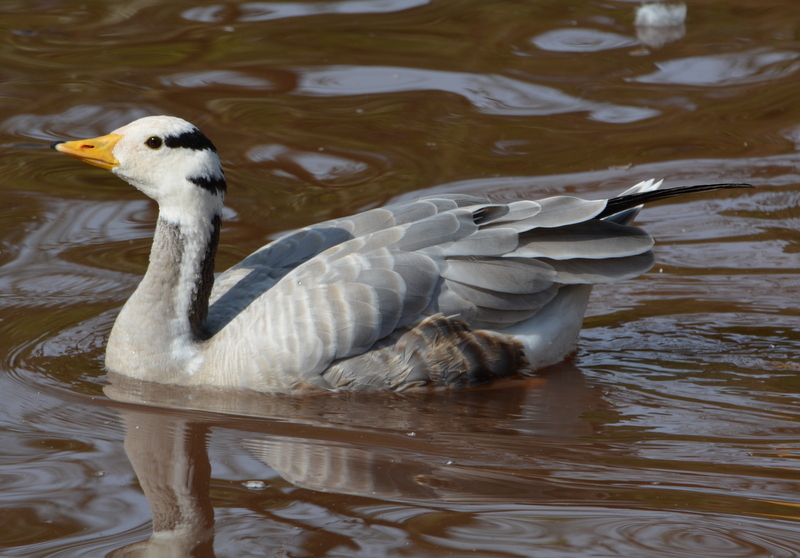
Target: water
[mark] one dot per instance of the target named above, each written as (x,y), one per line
(674,430)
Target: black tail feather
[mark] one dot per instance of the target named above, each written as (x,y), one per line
(621,203)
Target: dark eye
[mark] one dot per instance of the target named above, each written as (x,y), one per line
(153,142)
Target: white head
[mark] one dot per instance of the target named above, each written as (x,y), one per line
(167,158)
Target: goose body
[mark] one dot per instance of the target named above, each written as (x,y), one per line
(450,290)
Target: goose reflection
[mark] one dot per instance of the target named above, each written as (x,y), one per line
(418,448)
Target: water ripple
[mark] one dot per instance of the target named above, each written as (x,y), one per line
(489,94)
(581,40)
(322,167)
(40,269)
(215,78)
(585,532)
(725,69)
(84,121)
(265,11)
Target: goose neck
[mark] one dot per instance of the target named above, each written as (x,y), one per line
(163,321)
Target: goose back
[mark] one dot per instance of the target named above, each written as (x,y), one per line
(339,289)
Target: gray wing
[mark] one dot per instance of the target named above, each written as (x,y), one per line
(332,291)
(238,287)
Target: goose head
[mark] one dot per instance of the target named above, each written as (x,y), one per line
(166,158)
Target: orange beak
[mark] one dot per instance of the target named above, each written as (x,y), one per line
(97,151)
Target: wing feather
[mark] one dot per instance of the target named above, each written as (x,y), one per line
(590,272)
(592,239)
(558,211)
(484,242)
(513,276)
(496,300)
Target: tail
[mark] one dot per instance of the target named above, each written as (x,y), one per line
(629,201)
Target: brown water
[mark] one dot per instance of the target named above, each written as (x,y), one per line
(673,433)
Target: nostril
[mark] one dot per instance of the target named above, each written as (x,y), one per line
(87,146)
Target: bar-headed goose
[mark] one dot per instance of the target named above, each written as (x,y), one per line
(449,290)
